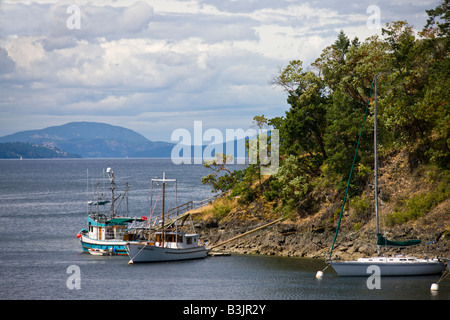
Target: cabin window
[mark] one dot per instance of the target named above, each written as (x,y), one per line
(188,240)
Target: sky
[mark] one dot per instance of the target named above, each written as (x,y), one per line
(155,66)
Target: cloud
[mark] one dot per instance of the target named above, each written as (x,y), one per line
(6,63)
(155,66)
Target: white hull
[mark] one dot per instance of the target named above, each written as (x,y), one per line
(407,266)
(112,242)
(151,253)
(113,247)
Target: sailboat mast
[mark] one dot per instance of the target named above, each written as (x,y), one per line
(163,191)
(375,155)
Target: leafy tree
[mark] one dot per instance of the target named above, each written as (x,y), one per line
(303,127)
(328,100)
(220,182)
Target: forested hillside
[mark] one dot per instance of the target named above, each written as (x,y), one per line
(24,150)
(328,100)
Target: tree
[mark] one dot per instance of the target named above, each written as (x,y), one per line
(220,182)
(302,129)
(440,17)
(418,113)
(349,79)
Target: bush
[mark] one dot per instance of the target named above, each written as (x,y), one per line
(361,207)
(357,226)
(221,209)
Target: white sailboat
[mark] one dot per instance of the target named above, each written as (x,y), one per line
(166,245)
(388,266)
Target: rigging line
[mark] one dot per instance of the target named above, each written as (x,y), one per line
(131,259)
(444,275)
(156,202)
(351,171)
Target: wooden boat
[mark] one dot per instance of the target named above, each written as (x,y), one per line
(169,242)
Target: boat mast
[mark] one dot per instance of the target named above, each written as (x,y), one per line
(375,155)
(111,179)
(163,198)
(163,180)
(87,190)
(127,198)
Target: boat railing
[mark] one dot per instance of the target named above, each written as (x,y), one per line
(175,212)
(195,204)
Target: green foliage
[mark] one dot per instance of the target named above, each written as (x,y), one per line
(357,226)
(361,207)
(244,188)
(221,209)
(419,205)
(273,191)
(303,128)
(327,105)
(218,165)
(293,180)
(319,132)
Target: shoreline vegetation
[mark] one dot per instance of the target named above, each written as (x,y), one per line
(318,136)
(311,235)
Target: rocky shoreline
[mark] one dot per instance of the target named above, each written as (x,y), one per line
(291,240)
(310,234)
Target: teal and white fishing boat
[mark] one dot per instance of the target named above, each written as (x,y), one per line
(107,232)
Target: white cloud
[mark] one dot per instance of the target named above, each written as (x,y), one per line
(158,65)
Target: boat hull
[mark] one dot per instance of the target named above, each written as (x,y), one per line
(386,268)
(151,253)
(115,247)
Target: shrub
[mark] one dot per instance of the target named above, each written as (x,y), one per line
(221,209)
(361,207)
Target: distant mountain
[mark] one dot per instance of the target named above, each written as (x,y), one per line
(92,140)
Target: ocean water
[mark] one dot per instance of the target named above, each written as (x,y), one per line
(43,207)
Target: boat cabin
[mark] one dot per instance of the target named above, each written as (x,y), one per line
(111,229)
(176,239)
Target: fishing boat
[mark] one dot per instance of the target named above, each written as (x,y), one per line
(399,265)
(107,232)
(169,241)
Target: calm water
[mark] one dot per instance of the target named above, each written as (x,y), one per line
(43,206)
